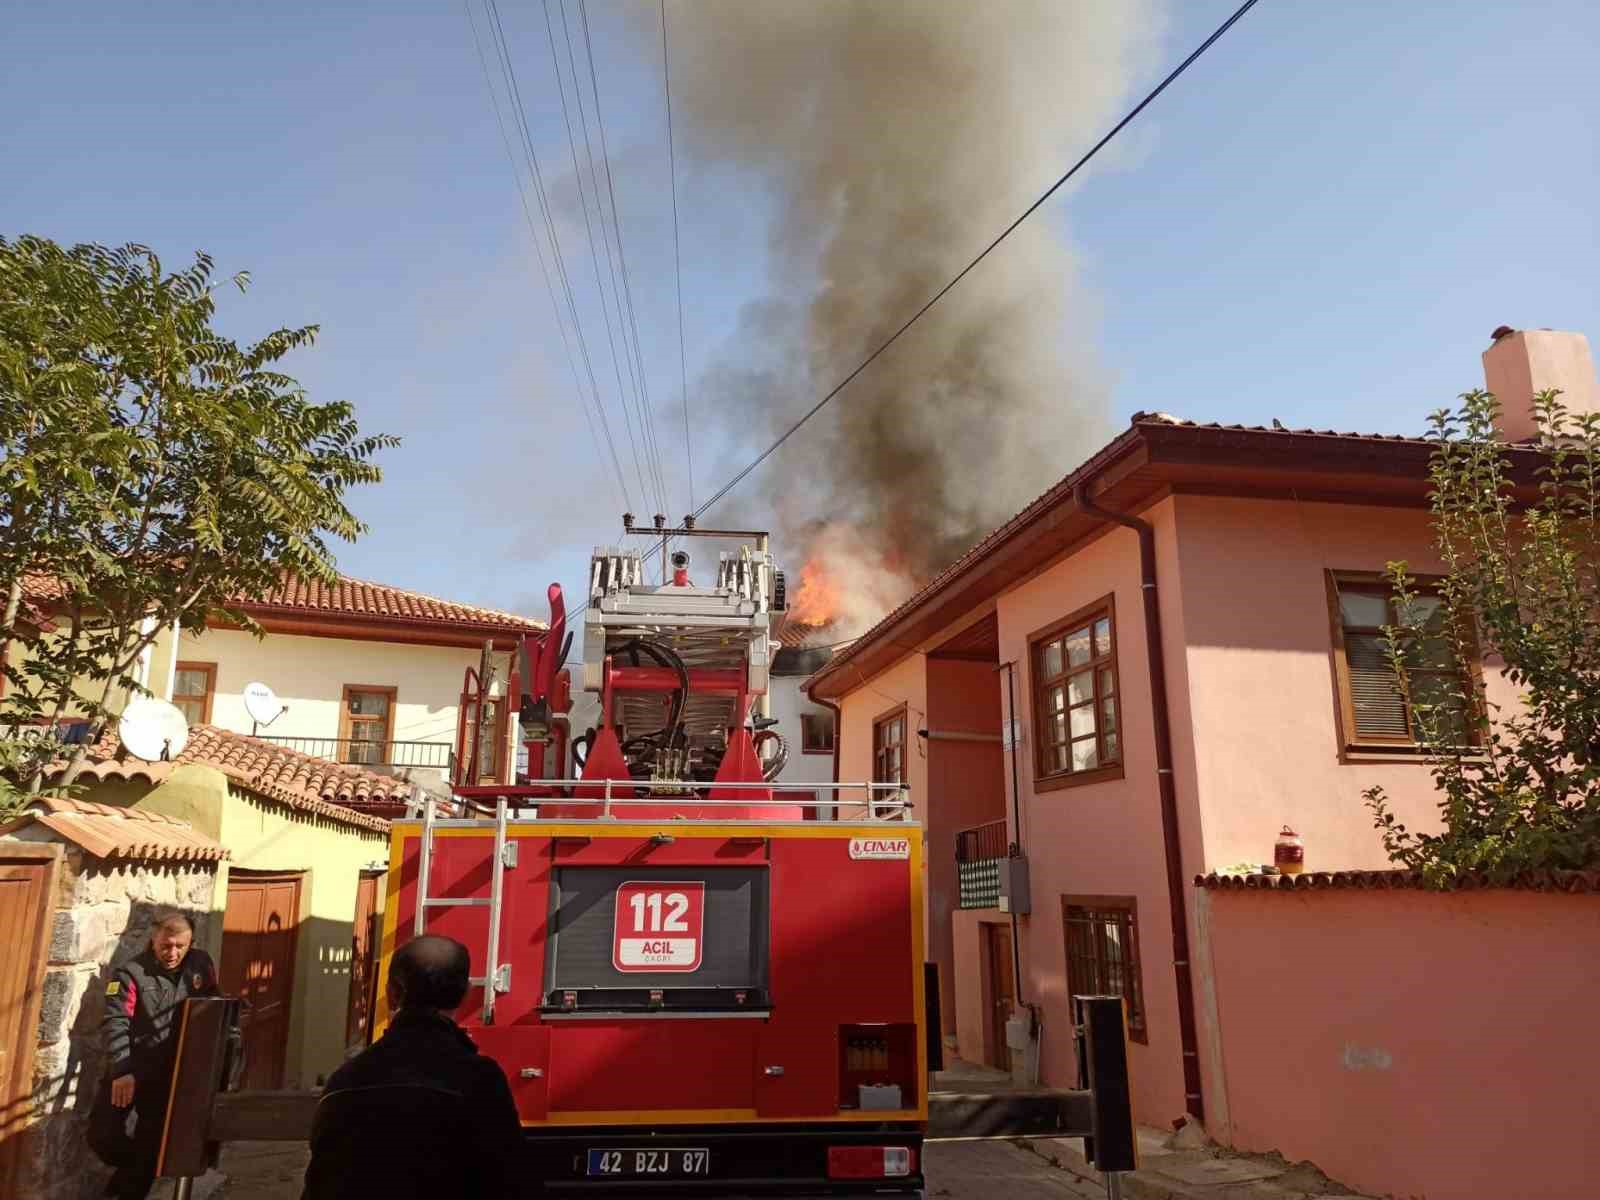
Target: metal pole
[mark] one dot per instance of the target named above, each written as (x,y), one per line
(183,1188)
(1113,1185)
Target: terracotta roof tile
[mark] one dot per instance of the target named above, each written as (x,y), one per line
(796,635)
(109,832)
(350,597)
(1311,881)
(301,781)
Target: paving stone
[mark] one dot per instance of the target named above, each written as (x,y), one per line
(1217,1170)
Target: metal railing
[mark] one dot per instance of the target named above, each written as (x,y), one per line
(877,802)
(979,852)
(438,755)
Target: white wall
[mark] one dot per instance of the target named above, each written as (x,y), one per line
(788,702)
(309,675)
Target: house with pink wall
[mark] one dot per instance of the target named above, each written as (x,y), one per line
(1141,679)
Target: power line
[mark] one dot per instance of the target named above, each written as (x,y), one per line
(544,269)
(514,95)
(647,410)
(1009,229)
(645,484)
(616,224)
(677,259)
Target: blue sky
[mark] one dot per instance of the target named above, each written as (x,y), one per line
(1320,223)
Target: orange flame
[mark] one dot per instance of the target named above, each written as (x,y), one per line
(816,600)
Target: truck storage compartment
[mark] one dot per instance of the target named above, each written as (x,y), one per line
(649,940)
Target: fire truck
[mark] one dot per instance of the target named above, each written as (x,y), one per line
(693,984)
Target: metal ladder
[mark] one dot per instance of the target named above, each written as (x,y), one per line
(505,857)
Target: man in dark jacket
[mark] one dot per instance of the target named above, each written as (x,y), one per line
(144,999)
(419,1114)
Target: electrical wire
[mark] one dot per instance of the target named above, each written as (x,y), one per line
(962,274)
(645,486)
(677,256)
(544,268)
(514,95)
(647,409)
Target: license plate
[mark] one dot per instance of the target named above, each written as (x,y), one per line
(674,1163)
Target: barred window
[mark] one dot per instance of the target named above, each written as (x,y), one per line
(1102,935)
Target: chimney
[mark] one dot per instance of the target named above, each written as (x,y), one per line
(1524,362)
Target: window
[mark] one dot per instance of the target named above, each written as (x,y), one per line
(192,688)
(1103,952)
(1076,728)
(816,733)
(889,748)
(368,718)
(1372,711)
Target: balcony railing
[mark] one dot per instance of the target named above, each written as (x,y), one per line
(439,756)
(979,852)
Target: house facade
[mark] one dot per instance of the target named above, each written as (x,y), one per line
(1142,678)
(806,725)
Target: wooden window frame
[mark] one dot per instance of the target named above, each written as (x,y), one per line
(805,746)
(210,668)
(882,721)
(346,726)
(1049,780)
(1137,1005)
(1353,744)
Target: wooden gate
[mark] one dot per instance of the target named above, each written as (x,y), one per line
(259,934)
(1002,993)
(27,883)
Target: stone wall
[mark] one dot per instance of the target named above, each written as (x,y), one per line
(103,916)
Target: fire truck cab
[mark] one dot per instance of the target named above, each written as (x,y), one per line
(691,985)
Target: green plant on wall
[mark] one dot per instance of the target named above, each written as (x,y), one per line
(152,471)
(1519,785)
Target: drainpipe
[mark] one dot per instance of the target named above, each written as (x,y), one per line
(1168,792)
(838,735)
(1016,819)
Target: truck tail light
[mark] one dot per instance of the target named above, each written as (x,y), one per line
(870,1162)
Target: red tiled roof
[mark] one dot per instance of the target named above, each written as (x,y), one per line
(1062,492)
(1311,881)
(796,635)
(300,781)
(108,832)
(361,598)
(345,599)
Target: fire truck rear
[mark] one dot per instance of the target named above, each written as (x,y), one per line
(692,985)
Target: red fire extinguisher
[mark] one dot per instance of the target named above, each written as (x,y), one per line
(1289,855)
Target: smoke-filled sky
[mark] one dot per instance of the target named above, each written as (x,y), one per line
(1321,223)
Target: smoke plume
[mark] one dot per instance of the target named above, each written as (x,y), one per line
(896,138)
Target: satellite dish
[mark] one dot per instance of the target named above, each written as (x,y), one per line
(153,729)
(261,702)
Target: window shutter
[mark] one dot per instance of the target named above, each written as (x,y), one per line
(1374,692)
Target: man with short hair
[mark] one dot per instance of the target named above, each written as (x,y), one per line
(143,999)
(419,1114)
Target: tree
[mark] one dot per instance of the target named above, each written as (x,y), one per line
(154,472)
(1519,789)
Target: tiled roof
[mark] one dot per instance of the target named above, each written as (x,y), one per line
(1312,881)
(348,598)
(300,781)
(796,635)
(1063,490)
(362,598)
(108,832)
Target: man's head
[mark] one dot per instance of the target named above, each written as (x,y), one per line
(429,972)
(171,938)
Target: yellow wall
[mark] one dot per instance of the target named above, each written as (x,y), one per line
(264,835)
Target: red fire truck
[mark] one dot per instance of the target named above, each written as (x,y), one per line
(692,985)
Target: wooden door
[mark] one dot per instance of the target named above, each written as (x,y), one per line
(27,878)
(1002,992)
(259,933)
(363,963)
